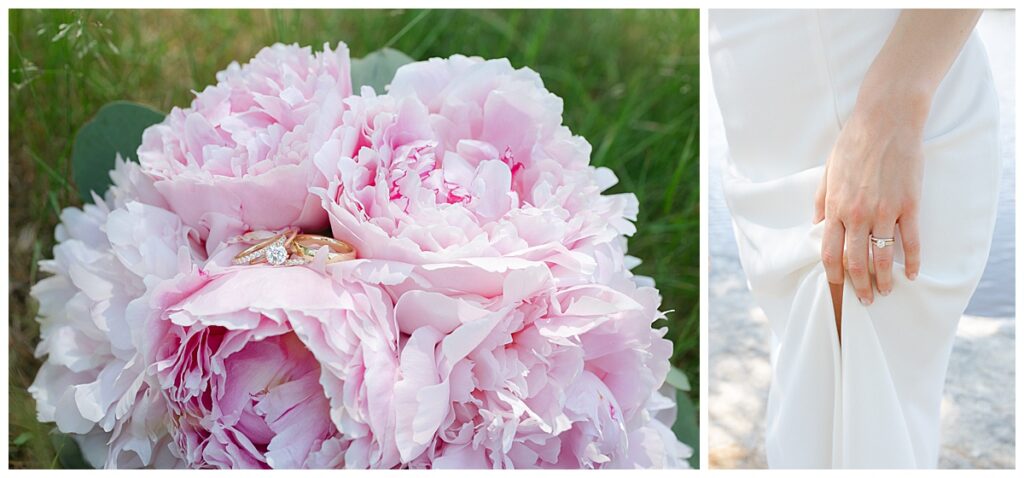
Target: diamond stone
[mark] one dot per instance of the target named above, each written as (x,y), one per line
(276,254)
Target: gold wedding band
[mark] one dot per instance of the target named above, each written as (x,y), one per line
(307,245)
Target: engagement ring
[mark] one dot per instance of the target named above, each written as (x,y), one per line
(273,251)
(882,242)
(289,248)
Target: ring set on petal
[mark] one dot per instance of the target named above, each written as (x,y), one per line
(289,248)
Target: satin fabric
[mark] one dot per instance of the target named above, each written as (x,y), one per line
(786,81)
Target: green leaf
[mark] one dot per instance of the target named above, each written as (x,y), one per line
(686,428)
(116,128)
(677,379)
(69,456)
(22,439)
(377,69)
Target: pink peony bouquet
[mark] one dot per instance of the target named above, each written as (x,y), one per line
(488,318)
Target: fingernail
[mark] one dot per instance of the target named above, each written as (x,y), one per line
(864,301)
(883,292)
(913,275)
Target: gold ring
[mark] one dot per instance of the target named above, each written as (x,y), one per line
(881,242)
(306,246)
(273,251)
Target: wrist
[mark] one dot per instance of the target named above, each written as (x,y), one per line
(900,104)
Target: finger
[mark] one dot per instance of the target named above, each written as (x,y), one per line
(882,257)
(857,264)
(832,250)
(819,199)
(911,244)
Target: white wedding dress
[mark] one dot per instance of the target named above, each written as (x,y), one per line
(785,81)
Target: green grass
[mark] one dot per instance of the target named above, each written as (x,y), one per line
(629,80)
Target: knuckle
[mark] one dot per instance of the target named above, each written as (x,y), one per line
(886,211)
(911,246)
(910,204)
(857,268)
(856,215)
(883,263)
(829,258)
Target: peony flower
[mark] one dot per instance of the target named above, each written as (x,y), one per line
(529,345)
(466,158)
(91,310)
(238,158)
(538,376)
(491,321)
(277,367)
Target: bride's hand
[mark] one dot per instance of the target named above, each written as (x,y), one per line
(872,178)
(872,183)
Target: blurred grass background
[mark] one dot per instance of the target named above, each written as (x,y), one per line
(629,80)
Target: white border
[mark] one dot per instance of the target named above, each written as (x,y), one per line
(506,4)
(706,101)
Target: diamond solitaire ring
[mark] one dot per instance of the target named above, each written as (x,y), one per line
(882,242)
(274,251)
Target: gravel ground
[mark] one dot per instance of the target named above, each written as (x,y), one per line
(978,402)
